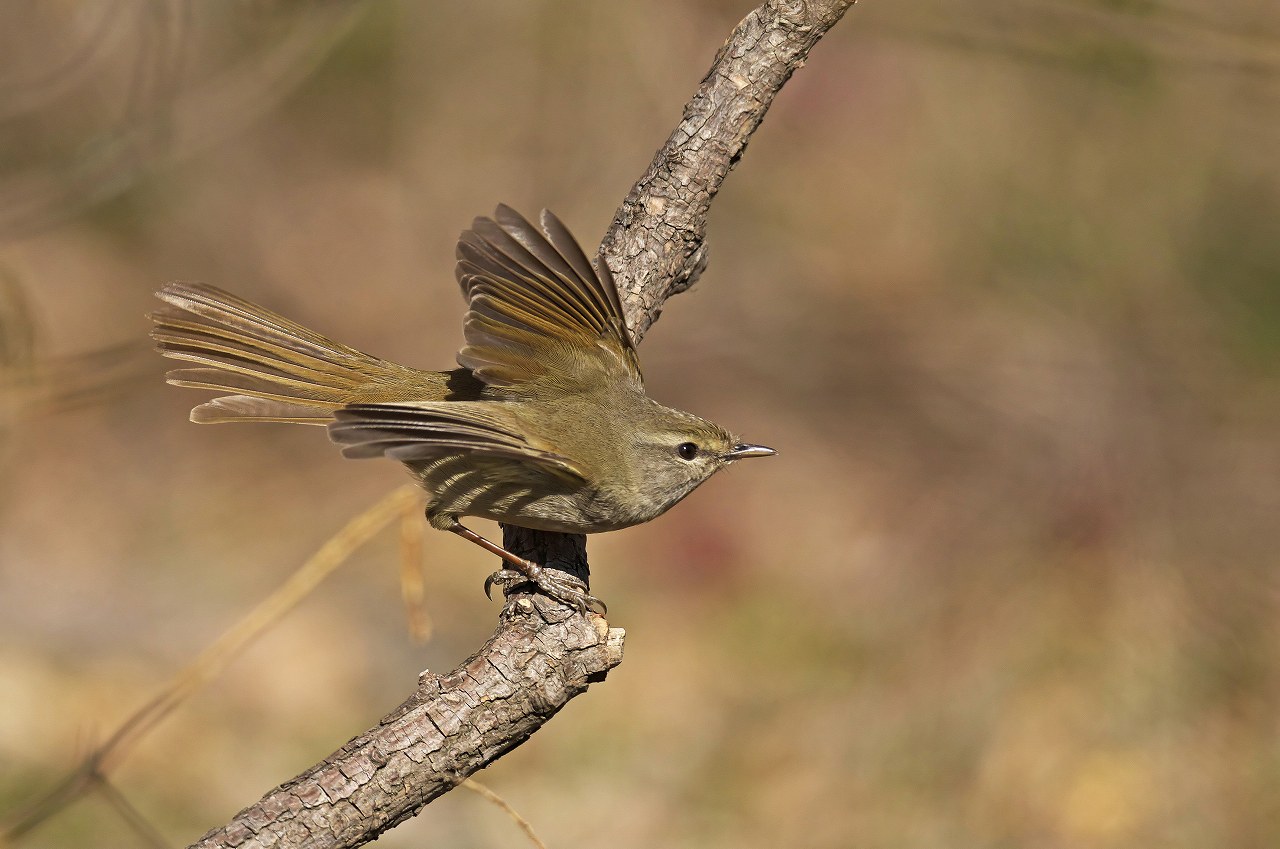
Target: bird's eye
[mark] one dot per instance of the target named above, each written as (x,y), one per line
(687,450)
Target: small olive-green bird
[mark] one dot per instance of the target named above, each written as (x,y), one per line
(546,425)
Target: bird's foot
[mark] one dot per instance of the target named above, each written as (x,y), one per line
(553,583)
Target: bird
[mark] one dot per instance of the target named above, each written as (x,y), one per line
(544,424)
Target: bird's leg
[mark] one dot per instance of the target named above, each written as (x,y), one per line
(563,588)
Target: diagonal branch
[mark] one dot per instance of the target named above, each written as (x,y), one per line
(543,654)
(656,246)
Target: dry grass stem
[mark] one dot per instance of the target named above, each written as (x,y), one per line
(93,769)
(412,573)
(525,826)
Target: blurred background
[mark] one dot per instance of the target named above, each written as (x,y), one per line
(1001,281)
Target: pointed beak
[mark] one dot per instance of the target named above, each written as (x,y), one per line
(740,451)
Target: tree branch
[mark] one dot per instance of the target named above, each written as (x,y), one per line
(541,656)
(544,654)
(656,246)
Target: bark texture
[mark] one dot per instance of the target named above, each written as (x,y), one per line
(544,654)
(656,246)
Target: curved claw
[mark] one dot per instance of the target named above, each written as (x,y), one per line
(565,589)
(504,578)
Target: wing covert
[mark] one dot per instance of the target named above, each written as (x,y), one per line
(416,433)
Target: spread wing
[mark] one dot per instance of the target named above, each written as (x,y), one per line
(539,311)
(413,433)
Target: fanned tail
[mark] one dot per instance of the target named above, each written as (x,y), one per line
(278,370)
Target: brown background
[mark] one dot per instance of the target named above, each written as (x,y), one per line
(1000,281)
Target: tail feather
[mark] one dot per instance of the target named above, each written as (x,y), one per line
(229,310)
(241,408)
(319,385)
(277,369)
(221,379)
(175,328)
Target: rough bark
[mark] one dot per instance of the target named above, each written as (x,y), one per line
(656,246)
(543,654)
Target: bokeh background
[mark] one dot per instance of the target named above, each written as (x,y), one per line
(1000,280)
